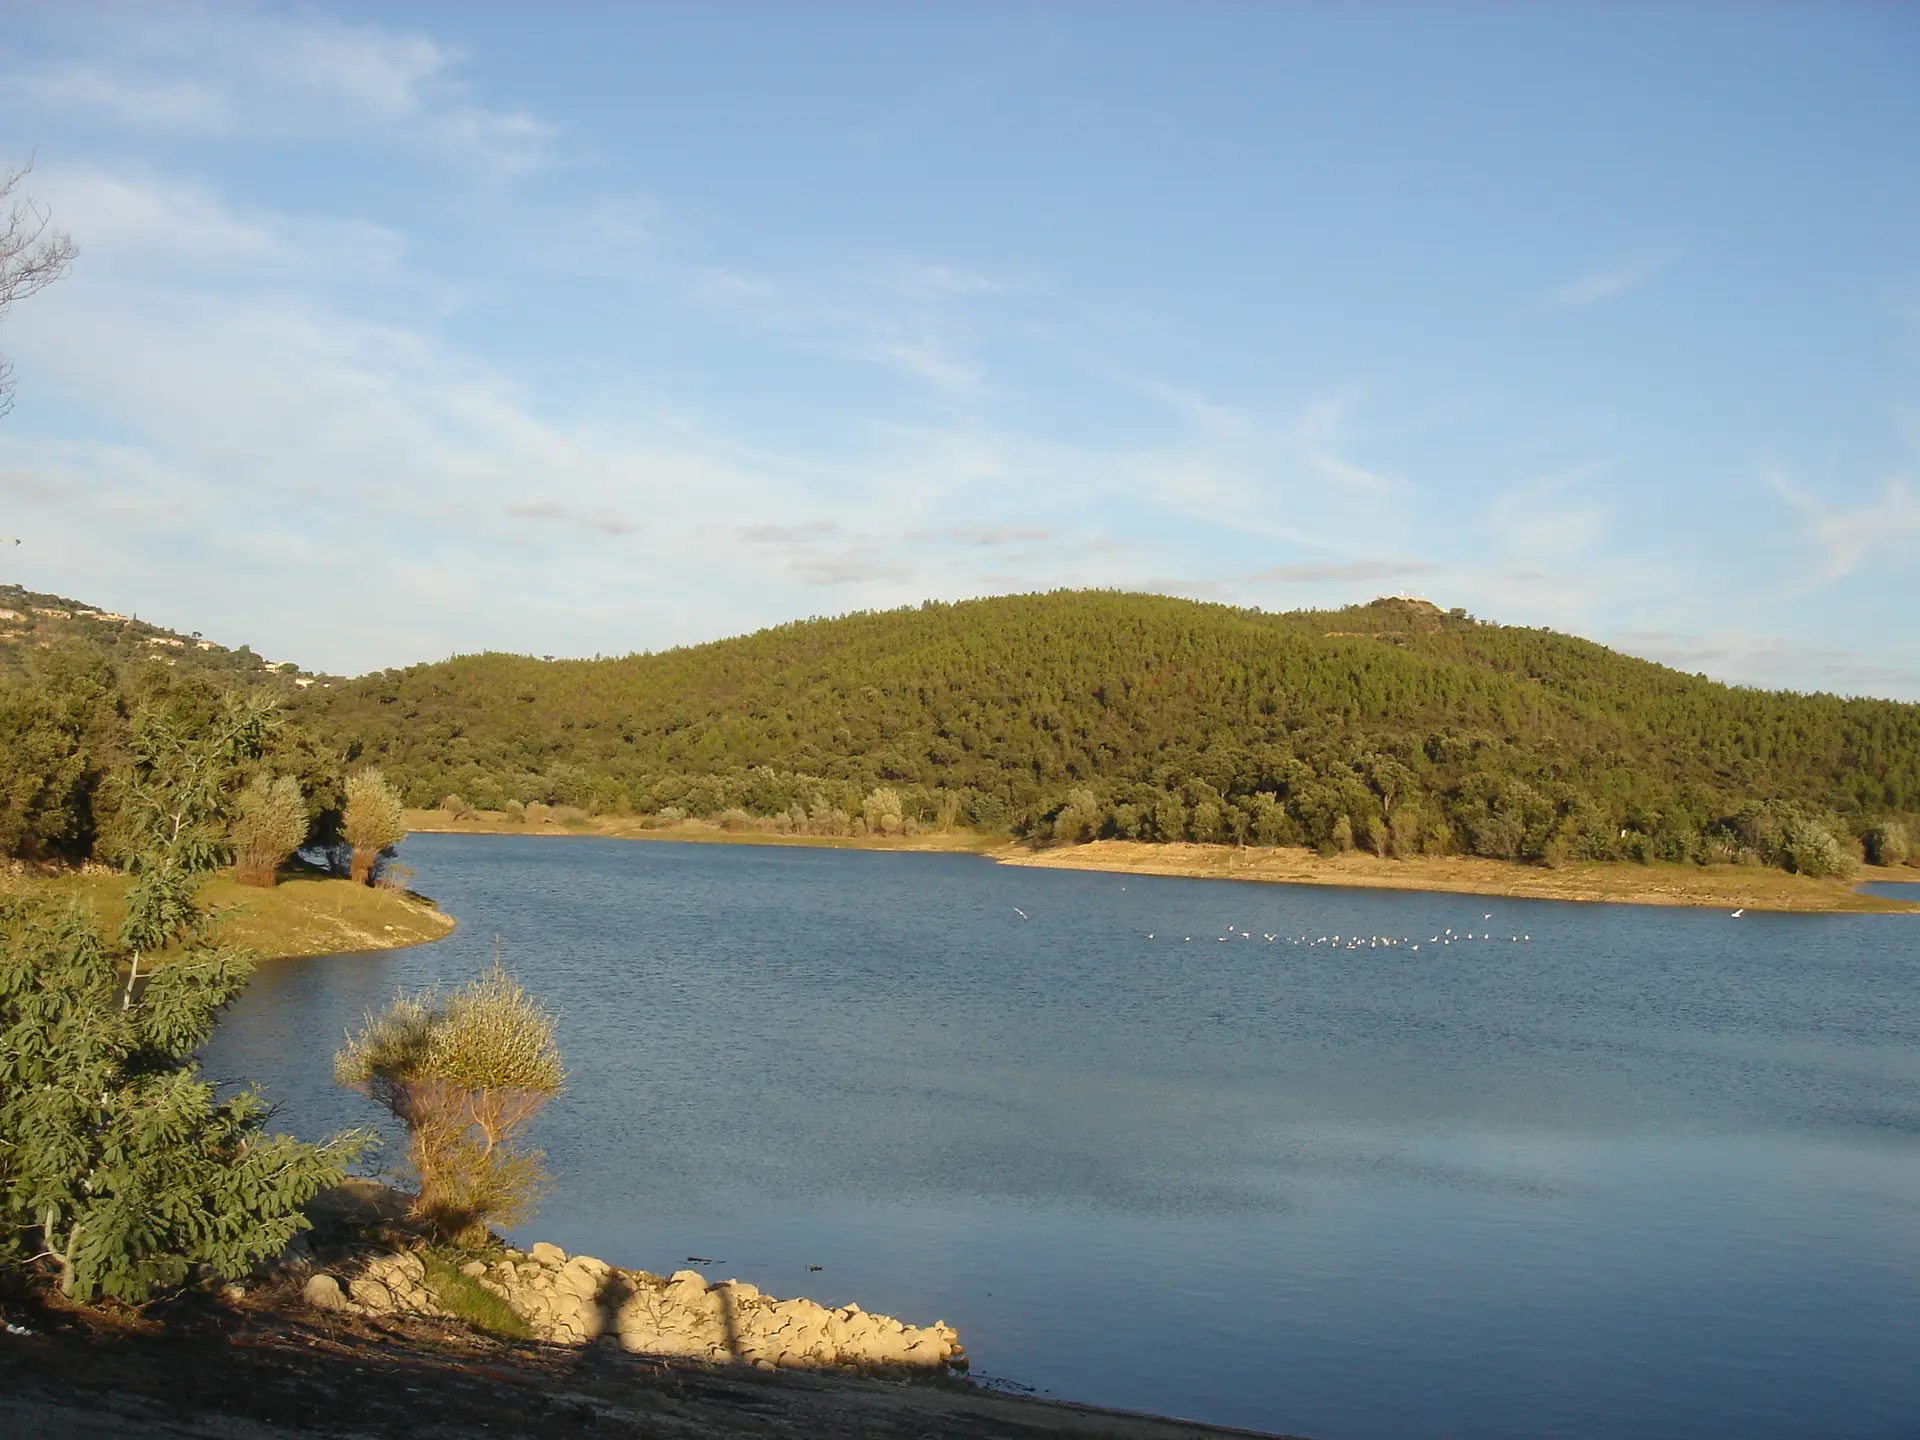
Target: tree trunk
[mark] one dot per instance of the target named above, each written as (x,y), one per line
(363,862)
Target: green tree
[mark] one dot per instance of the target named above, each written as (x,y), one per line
(374,824)
(270,824)
(882,811)
(1886,843)
(465,1072)
(120,1168)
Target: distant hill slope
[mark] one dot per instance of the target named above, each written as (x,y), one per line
(1392,725)
(31,620)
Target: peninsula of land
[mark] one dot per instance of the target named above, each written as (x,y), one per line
(302,915)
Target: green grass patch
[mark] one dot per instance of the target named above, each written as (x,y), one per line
(464,1298)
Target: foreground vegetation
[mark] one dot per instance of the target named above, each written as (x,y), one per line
(1393,729)
(122,1170)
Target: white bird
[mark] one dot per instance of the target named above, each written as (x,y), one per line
(1738,913)
(1018,911)
(1487,916)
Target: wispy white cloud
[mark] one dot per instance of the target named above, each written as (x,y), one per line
(601,519)
(1846,538)
(905,318)
(1597,285)
(243,72)
(1343,572)
(1556,517)
(1772,661)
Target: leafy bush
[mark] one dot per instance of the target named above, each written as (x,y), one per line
(374,824)
(1810,849)
(465,1071)
(881,810)
(1886,844)
(270,824)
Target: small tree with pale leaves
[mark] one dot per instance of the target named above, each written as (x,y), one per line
(465,1071)
(374,823)
(270,823)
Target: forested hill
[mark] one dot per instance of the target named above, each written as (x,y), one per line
(1393,725)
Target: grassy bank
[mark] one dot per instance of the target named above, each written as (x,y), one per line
(304,915)
(1733,886)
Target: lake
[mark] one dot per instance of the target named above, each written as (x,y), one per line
(1598,1170)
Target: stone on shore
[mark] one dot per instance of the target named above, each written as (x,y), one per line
(574,1300)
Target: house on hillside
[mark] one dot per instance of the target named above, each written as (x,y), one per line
(164,640)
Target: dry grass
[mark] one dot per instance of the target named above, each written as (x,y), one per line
(299,916)
(1732,886)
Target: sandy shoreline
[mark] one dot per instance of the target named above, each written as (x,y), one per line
(1731,886)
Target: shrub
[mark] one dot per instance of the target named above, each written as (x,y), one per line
(514,811)
(881,810)
(1886,844)
(374,824)
(270,824)
(465,1072)
(1079,819)
(454,806)
(987,811)
(1810,849)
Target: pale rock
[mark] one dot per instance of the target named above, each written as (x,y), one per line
(544,1254)
(474,1269)
(323,1293)
(578,1280)
(688,1277)
(371,1294)
(741,1290)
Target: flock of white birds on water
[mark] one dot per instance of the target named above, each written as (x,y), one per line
(1447,936)
(1352,942)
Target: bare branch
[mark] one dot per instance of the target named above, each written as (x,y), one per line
(32,254)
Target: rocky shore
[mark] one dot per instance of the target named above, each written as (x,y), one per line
(576,1300)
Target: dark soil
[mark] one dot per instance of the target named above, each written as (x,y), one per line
(264,1366)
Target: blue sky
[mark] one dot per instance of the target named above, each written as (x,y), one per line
(400,331)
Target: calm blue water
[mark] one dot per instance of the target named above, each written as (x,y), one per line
(1651,1172)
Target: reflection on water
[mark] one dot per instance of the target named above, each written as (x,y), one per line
(1643,1171)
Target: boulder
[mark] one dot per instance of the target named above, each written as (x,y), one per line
(550,1255)
(371,1295)
(323,1293)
